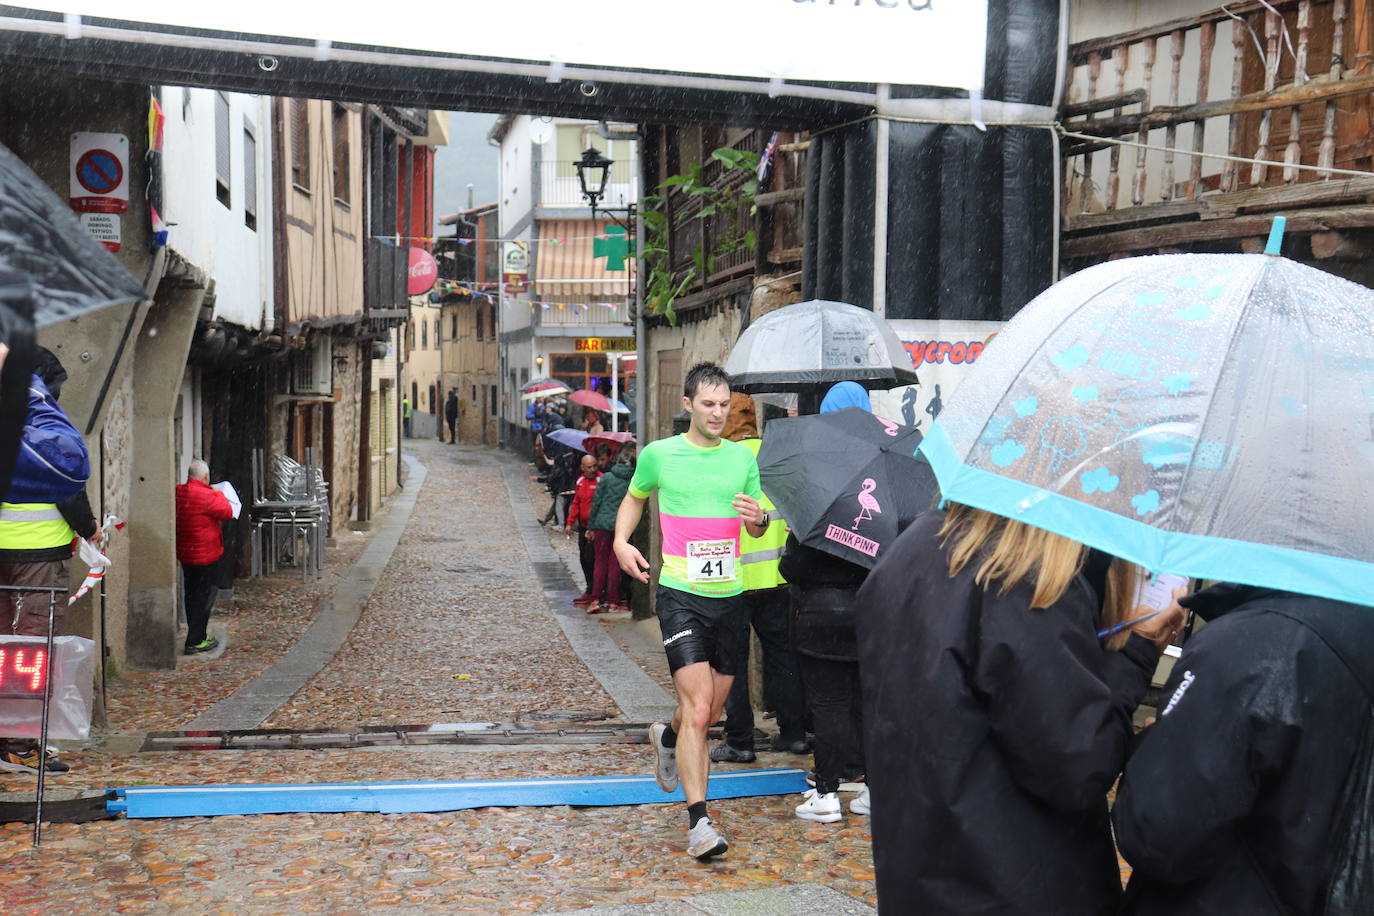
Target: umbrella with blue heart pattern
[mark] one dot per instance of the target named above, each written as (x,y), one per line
(1205,415)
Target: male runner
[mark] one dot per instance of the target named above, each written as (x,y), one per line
(707,486)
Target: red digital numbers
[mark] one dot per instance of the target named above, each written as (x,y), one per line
(22,673)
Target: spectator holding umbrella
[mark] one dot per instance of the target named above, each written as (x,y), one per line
(997,718)
(824,589)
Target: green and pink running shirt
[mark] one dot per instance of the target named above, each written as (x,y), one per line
(700,529)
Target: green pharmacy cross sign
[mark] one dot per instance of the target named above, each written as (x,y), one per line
(615,247)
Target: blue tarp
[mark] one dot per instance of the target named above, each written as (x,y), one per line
(404,797)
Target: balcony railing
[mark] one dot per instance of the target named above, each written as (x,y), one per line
(577,315)
(1291,87)
(559,187)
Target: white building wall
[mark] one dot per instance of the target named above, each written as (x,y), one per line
(517,174)
(212,236)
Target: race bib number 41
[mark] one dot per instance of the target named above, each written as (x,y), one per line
(710,561)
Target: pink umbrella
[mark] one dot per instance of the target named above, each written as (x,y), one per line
(615,440)
(588,398)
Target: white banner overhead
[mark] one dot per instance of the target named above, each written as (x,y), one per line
(911,42)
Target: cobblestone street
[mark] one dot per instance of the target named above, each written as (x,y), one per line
(462,626)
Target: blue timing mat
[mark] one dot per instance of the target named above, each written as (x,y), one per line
(403,797)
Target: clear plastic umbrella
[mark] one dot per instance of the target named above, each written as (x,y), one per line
(1205,415)
(810,344)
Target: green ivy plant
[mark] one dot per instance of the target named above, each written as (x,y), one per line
(661,287)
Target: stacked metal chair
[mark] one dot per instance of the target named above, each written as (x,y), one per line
(290,515)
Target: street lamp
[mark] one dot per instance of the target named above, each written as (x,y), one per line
(593,171)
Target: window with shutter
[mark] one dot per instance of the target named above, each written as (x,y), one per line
(300,143)
(341,155)
(250,178)
(222,148)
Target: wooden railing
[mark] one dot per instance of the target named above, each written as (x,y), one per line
(1285,81)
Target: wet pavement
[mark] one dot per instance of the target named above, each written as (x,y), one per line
(462,625)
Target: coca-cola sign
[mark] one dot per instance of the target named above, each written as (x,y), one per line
(423,272)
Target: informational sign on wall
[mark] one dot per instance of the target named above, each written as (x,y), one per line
(917,42)
(99,172)
(515,267)
(942,352)
(104,227)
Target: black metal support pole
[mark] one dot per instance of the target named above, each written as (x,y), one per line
(43,726)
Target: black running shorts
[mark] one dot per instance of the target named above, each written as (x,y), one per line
(698,629)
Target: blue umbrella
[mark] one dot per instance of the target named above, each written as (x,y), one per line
(1205,415)
(572,438)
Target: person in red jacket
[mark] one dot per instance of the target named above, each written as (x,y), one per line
(200,543)
(579,513)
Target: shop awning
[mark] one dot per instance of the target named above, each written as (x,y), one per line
(570,262)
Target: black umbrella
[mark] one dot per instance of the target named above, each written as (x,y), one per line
(51,269)
(847,482)
(41,239)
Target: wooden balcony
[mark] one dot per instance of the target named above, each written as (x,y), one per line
(1291,87)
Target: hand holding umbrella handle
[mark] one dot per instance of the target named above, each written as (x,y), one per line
(1162,628)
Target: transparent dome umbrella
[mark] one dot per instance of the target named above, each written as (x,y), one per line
(1204,415)
(809,345)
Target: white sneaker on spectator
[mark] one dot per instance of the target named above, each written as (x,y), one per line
(665,759)
(824,809)
(862,804)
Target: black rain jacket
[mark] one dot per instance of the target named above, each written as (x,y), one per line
(1228,803)
(994,733)
(824,592)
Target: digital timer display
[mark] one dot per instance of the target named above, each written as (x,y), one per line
(23,671)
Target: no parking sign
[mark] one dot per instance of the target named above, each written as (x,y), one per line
(99,173)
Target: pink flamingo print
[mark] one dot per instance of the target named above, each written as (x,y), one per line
(888,427)
(867,504)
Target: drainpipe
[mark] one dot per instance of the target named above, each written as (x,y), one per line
(280,253)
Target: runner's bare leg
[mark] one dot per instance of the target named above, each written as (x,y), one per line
(701,694)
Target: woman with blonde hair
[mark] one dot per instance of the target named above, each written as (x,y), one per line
(997,718)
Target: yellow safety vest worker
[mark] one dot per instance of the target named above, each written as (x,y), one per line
(33,526)
(759,557)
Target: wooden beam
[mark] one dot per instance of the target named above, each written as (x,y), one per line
(1342,246)
(1303,221)
(1228,204)
(772,198)
(785,256)
(1317,89)
(1106,102)
(1107,44)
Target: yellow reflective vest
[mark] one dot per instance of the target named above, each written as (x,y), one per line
(759,557)
(33,526)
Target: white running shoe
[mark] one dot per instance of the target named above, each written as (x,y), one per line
(824,809)
(665,759)
(703,842)
(862,804)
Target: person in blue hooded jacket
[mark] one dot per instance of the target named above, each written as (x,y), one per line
(53,463)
